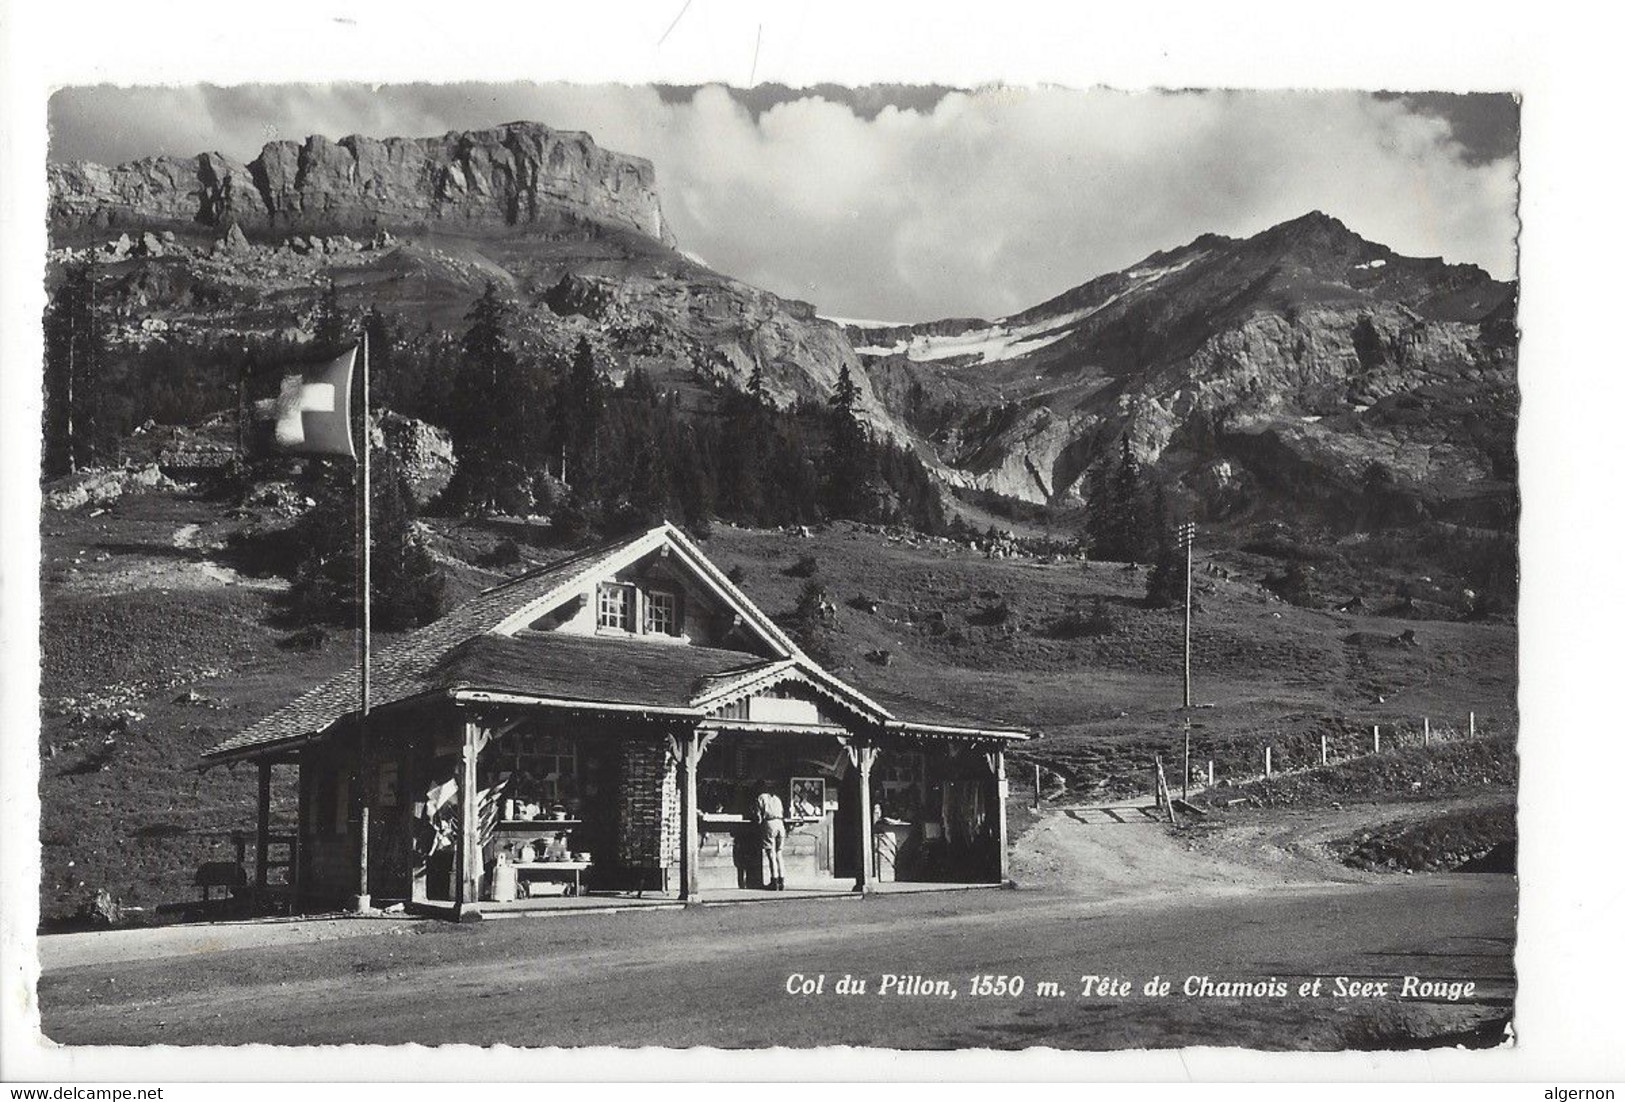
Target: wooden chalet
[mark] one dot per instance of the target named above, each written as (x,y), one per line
(614,717)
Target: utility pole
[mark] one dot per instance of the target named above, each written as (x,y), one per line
(1187,536)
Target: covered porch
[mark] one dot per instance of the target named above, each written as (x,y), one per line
(579,806)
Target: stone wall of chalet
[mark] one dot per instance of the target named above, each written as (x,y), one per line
(647,809)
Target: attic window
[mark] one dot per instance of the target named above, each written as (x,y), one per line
(615,607)
(660,613)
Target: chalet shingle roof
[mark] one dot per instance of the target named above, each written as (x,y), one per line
(590,668)
(483,646)
(914,711)
(405,668)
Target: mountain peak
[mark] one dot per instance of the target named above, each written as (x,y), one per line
(1314,226)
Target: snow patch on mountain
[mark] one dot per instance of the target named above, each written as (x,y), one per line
(1006,339)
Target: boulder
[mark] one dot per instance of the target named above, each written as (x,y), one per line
(102,909)
(151,246)
(424,452)
(234,241)
(103,486)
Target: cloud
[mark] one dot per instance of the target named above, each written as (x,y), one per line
(979,203)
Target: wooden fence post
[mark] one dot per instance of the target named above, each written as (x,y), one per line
(1323,749)
(1427,731)
(1210,772)
(1269,765)
(1472,724)
(1376,739)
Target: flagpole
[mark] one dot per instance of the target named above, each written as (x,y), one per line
(366,528)
(363,893)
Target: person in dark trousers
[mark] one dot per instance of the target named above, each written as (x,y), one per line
(770,822)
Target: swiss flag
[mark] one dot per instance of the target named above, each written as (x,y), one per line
(312,412)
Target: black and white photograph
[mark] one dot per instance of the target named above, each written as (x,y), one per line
(750,564)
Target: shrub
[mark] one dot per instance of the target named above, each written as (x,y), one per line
(1077,624)
(804,567)
(1295,585)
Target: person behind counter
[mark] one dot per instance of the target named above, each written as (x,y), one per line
(770,823)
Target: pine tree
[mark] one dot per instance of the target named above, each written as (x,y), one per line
(334,330)
(408,586)
(1165,588)
(847,461)
(810,621)
(1100,517)
(491,412)
(745,449)
(578,411)
(1118,524)
(1130,536)
(384,359)
(845,398)
(75,356)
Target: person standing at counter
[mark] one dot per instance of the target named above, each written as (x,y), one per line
(770,824)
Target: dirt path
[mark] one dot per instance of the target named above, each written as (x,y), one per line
(1084,851)
(104,947)
(1293,842)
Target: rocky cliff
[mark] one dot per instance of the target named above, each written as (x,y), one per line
(1300,364)
(203,249)
(512,175)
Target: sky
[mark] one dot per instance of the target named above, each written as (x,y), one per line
(904,203)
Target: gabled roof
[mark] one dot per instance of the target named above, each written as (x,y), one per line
(486,646)
(397,671)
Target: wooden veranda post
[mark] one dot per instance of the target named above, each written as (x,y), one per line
(363,898)
(469,863)
(864,758)
(688,761)
(1003,788)
(262,832)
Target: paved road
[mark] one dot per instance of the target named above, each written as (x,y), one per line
(718,976)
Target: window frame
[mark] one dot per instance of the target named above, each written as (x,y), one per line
(628,608)
(674,627)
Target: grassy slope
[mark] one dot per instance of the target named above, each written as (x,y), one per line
(1272,673)
(122,803)
(135,816)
